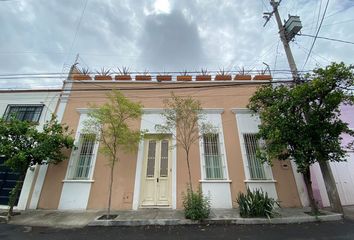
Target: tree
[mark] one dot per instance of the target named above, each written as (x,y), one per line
(185,115)
(302,122)
(23,146)
(109,123)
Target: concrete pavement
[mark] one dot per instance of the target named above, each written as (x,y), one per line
(77,219)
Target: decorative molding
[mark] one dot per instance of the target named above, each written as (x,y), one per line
(260,181)
(242,111)
(215,181)
(83,110)
(153,110)
(213,110)
(78,181)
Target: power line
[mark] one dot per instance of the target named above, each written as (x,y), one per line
(318,30)
(44,74)
(326,38)
(195,86)
(76,31)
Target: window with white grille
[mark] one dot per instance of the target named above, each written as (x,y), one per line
(256,168)
(82,163)
(213,163)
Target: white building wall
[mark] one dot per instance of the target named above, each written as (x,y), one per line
(49,100)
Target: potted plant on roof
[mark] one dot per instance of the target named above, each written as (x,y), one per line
(243,75)
(145,76)
(262,76)
(204,76)
(104,74)
(223,75)
(123,74)
(81,75)
(163,77)
(184,76)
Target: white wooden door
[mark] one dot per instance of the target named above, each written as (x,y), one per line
(156,175)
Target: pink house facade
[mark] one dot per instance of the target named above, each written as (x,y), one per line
(343,171)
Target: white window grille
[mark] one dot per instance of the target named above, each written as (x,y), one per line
(255,166)
(82,163)
(213,162)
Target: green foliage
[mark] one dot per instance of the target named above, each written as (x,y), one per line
(23,145)
(184,119)
(303,121)
(110,123)
(256,204)
(196,205)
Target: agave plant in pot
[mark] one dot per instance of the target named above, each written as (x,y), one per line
(163,77)
(103,74)
(203,76)
(82,75)
(123,74)
(223,75)
(145,76)
(184,76)
(262,76)
(243,75)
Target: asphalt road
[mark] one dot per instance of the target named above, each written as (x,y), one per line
(329,230)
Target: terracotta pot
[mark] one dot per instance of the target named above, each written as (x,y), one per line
(123,77)
(262,77)
(243,77)
(223,78)
(203,78)
(142,78)
(81,77)
(184,78)
(162,78)
(103,77)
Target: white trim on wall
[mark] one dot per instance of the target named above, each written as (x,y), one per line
(150,118)
(217,189)
(75,193)
(247,122)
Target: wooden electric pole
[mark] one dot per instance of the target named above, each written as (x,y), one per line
(287,32)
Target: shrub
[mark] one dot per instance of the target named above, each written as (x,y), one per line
(196,205)
(256,204)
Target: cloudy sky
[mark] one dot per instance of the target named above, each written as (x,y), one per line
(44,36)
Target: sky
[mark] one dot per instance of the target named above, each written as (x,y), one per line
(44,36)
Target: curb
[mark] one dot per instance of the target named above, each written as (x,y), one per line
(241,221)
(3,219)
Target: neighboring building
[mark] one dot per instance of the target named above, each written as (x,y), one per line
(343,172)
(31,105)
(156,175)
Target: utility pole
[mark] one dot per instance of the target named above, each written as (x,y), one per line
(287,32)
(285,38)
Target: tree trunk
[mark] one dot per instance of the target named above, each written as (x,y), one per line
(331,187)
(15,194)
(189,171)
(110,190)
(308,183)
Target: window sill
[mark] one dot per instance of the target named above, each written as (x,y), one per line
(78,181)
(260,181)
(215,181)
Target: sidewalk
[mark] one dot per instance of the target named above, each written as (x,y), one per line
(77,219)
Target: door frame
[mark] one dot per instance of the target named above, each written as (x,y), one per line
(157,167)
(140,168)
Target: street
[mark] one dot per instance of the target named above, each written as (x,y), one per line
(327,230)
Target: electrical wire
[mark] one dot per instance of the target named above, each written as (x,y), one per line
(318,30)
(326,38)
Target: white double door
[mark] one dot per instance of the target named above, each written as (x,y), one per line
(156,174)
